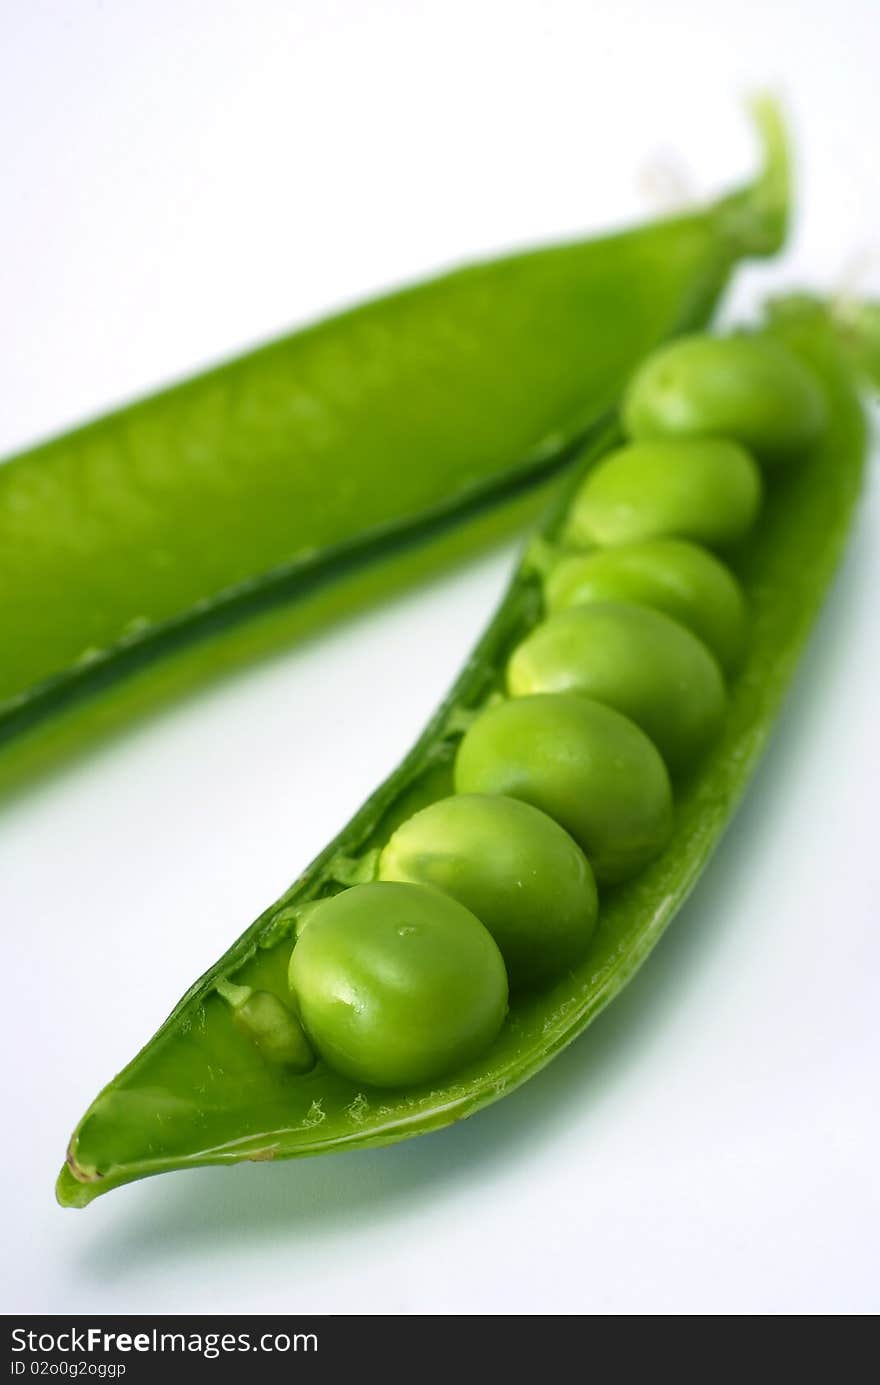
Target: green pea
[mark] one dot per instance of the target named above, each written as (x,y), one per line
(748,388)
(521,873)
(709,491)
(590,768)
(397,984)
(269,1023)
(634,659)
(670,575)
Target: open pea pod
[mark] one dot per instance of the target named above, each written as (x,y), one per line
(235,492)
(855,321)
(202,1093)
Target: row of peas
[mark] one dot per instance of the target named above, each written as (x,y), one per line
(568,780)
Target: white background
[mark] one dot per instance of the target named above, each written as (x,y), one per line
(180,179)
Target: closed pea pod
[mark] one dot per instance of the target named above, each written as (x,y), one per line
(745,387)
(521,873)
(397,984)
(252,485)
(634,659)
(708,491)
(670,575)
(585,765)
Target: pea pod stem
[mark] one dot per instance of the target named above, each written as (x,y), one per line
(759,215)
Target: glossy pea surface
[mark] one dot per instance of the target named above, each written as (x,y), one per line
(680,579)
(516,869)
(584,764)
(708,491)
(397,984)
(748,388)
(634,659)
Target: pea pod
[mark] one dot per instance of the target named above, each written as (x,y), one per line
(201,1093)
(856,322)
(238,491)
